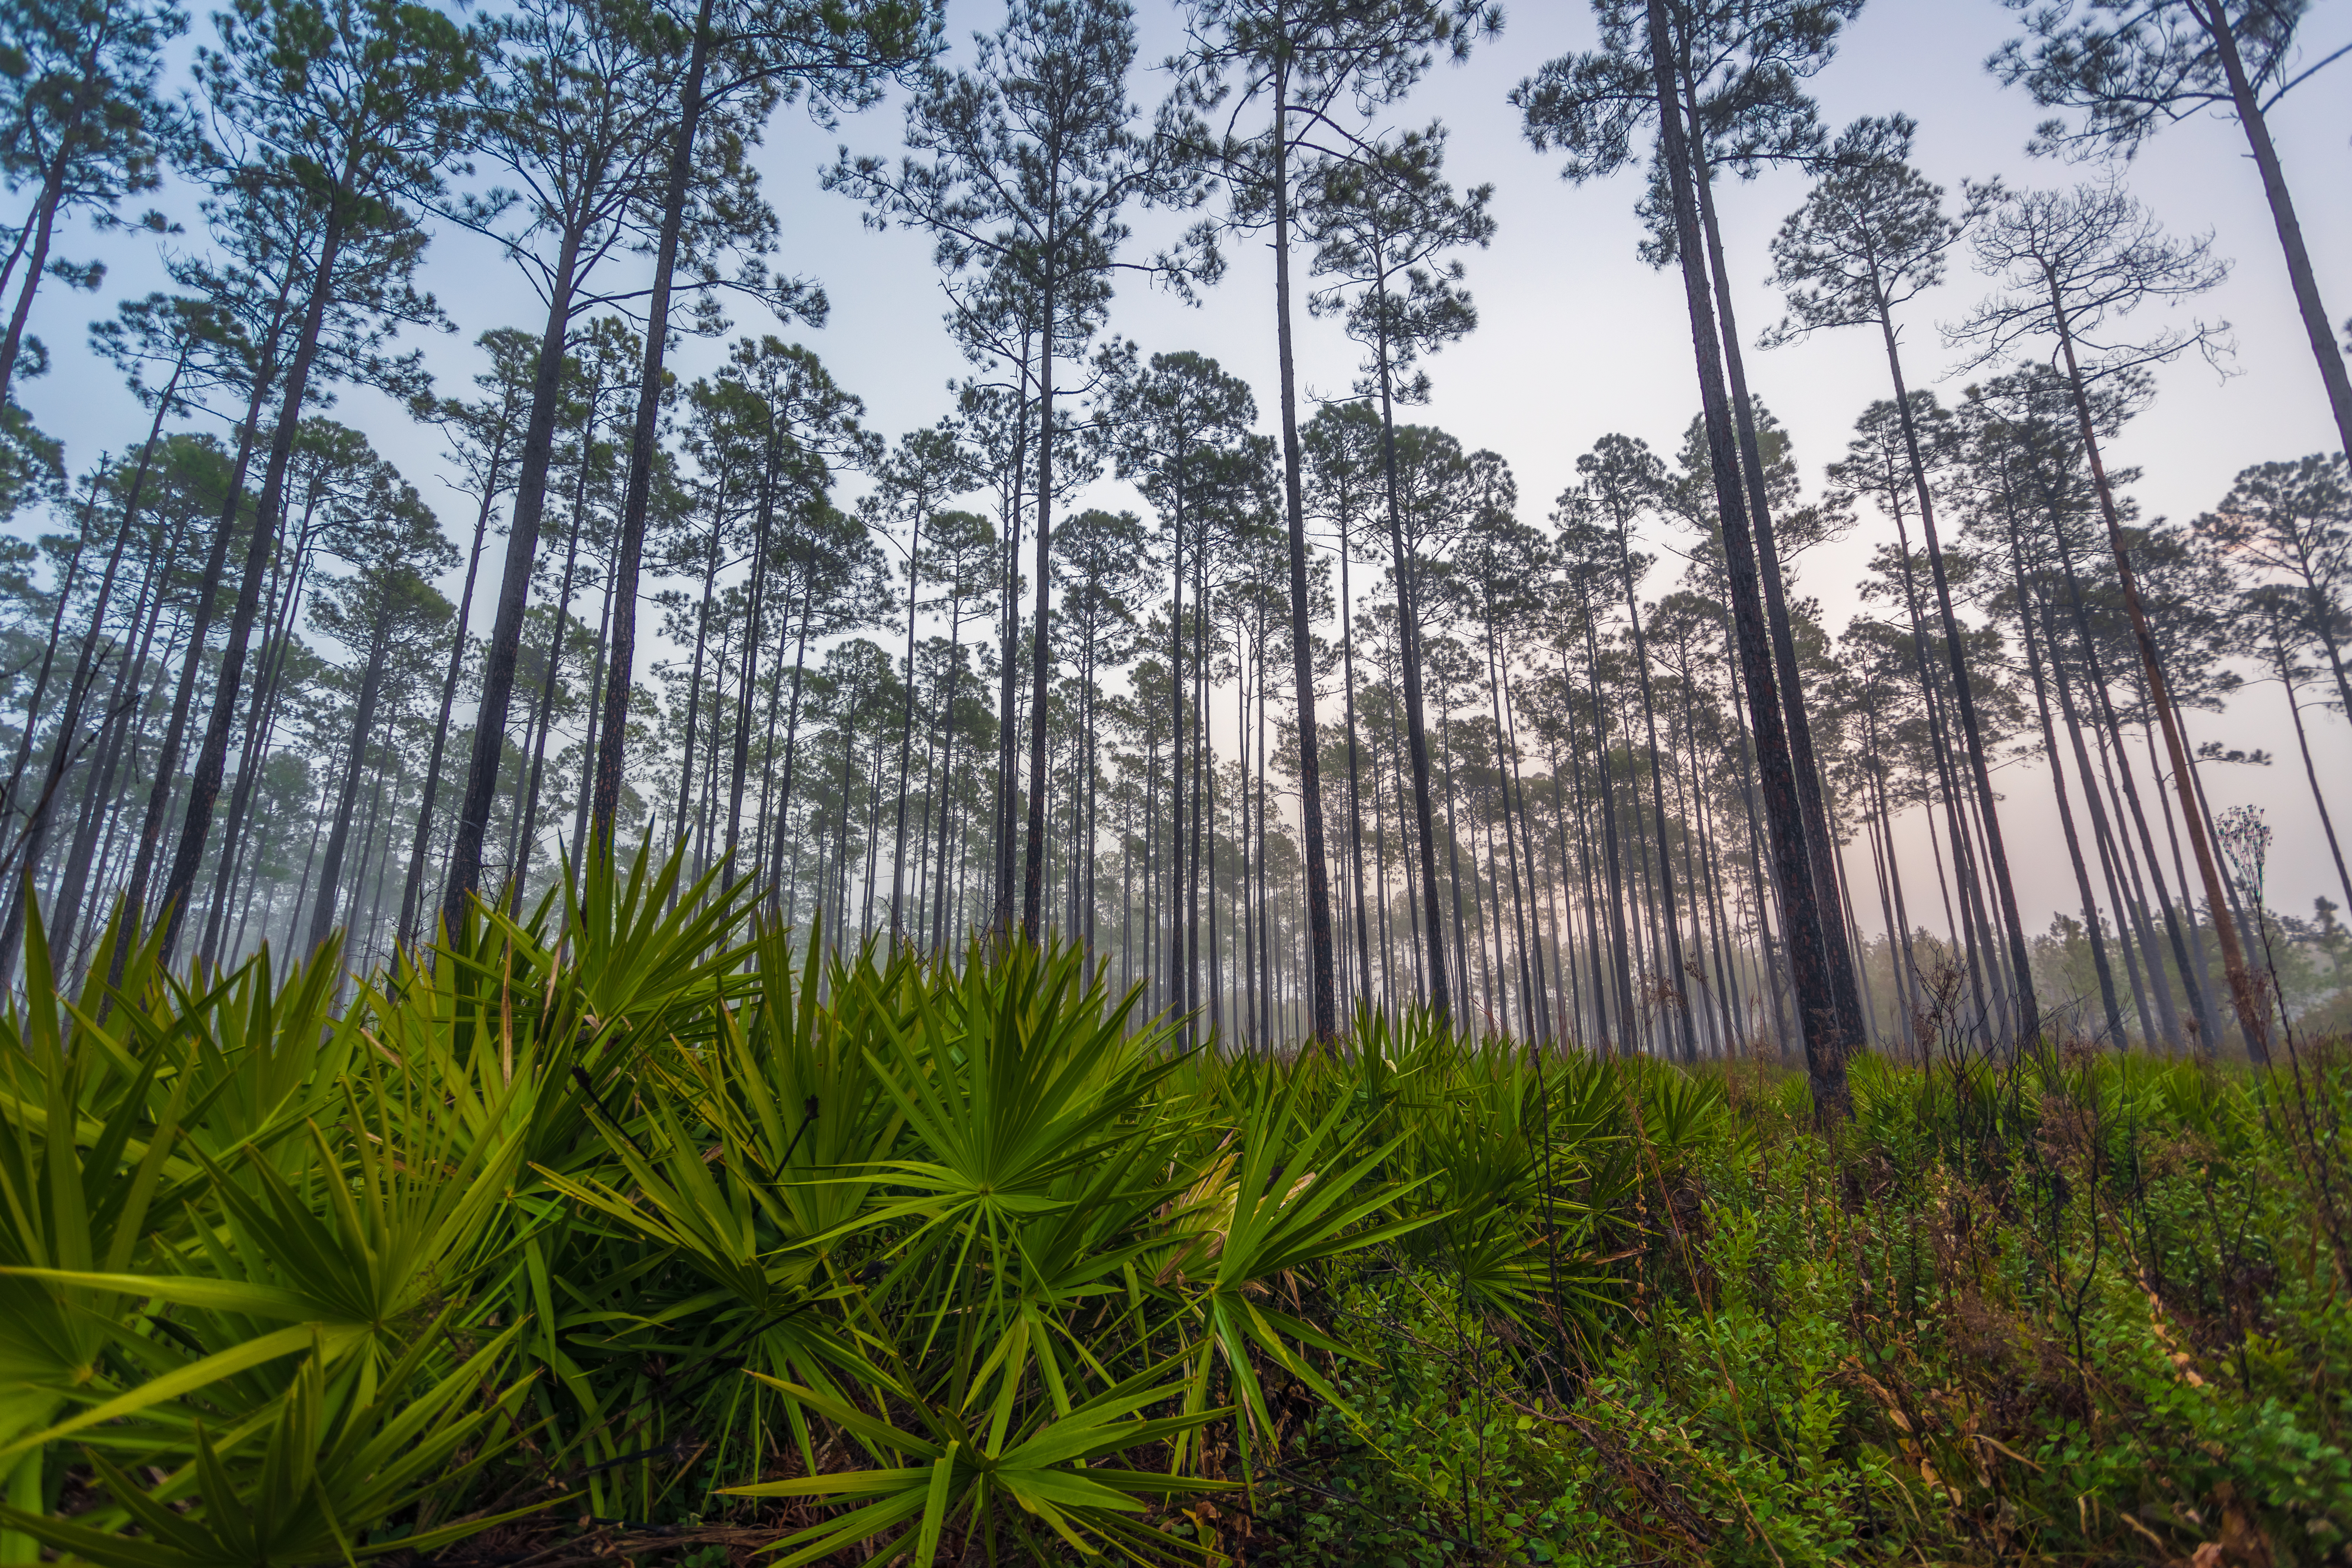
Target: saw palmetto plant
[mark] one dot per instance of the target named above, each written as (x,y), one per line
(644,1219)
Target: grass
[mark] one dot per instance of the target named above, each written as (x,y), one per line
(641,1231)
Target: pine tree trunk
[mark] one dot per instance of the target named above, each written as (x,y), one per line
(1355,779)
(43,225)
(1409,658)
(612,742)
(791,735)
(212,756)
(167,770)
(1041,670)
(595,706)
(1820,846)
(113,740)
(2028,1011)
(2282,660)
(906,727)
(63,751)
(692,711)
(2213,16)
(2244,994)
(1007,803)
(322,915)
(2091,931)
(945,788)
(1302,641)
(2111,747)
(1808,963)
(527,826)
(10,803)
(1658,802)
(259,715)
(405,931)
(747,678)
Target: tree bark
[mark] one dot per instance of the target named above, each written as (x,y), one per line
(2244,994)
(2028,1011)
(44,225)
(905,725)
(1302,643)
(1825,1043)
(2091,934)
(612,742)
(1033,871)
(405,931)
(1409,659)
(159,795)
(322,913)
(2212,15)
(211,757)
(527,826)
(1822,847)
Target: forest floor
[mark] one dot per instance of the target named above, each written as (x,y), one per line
(2080,1309)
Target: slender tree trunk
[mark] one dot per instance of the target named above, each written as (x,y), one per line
(1302,643)
(2284,659)
(612,753)
(2114,1009)
(1409,658)
(2112,742)
(905,726)
(1009,660)
(322,913)
(945,788)
(1658,802)
(746,678)
(2028,1011)
(211,757)
(422,842)
(62,751)
(1535,903)
(113,739)
(43,225)
(1809,964)
(2214,17)
(2244,994)
(2120,865)
(10,805)
(791,735)
(167,774)
(66,912)
(527,826)
(1820,846)
(1355,782)
(261,717)
(505,646)
(1620,949)
(595,705)
(1033,874)
(693,709)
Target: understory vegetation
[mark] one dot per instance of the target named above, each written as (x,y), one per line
(646,1229)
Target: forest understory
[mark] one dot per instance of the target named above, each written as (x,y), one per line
(648,1231)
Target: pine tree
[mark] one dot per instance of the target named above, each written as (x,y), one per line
(82,123)
(348,106)
(2070,264)
(1303,59)
(2133,68)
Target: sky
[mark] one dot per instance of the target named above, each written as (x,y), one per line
(1578,336)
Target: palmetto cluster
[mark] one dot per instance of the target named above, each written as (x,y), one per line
(644,1210)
